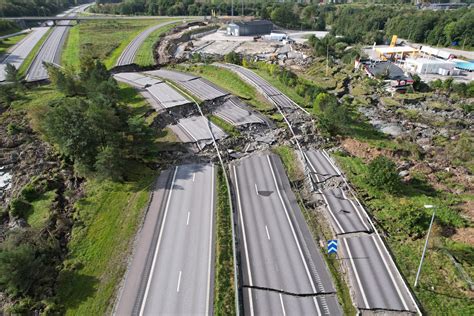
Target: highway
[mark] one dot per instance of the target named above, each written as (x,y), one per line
(128,55)
(51,49)
(172,269)
(21,50)
(373,274)
(235,112)
(283,270)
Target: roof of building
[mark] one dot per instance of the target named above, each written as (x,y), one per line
(394,72)
(254,23)
(422,60)
(395,49)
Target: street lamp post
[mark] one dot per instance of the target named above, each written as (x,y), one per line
(426,243)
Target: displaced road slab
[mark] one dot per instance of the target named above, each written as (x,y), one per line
(195,129)
(237,113)
(136,79)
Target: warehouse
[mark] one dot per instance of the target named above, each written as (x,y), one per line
(252,28)
(429,66)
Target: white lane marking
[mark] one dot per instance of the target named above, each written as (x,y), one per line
(268,235)
(390,273)
(282,305)
(187,220)
(356,209)
(210,244)
(331,212)
(294,235)
(147,289)
(194,176)
(312,167)
(256,189)
(356,274)
(245,241)
(179,281)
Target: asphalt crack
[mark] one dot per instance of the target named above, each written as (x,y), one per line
(255,287)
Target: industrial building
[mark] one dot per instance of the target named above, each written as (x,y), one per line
(430,66)
(252,28)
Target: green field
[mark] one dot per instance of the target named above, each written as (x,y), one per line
(9,42)
(100,39)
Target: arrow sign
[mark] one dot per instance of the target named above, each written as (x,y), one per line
(332,246)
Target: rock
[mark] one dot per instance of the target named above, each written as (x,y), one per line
(404,173)
(392,129)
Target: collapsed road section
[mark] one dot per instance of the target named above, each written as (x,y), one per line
(282,269)
(172,267)
(377,283)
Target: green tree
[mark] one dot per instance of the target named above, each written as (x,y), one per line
(382,173)
(109,163)
(12,75)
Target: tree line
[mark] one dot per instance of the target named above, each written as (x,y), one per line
(357,23)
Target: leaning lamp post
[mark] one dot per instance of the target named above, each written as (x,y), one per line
(426,243)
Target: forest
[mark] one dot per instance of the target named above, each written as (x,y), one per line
(357,23)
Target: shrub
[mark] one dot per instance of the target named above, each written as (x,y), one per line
(19,207)
(382,173)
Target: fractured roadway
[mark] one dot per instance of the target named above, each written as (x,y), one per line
(128,55)
(172,269)
(282,269)
(377,282)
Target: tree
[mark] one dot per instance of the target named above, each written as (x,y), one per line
(382,173)
(12,75)
(233,58)
(109,163)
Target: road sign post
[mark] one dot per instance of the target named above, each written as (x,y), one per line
(332,246)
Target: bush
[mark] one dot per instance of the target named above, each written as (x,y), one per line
(413,219)
(382,173)
(233,58)
(19,207)
(30,192)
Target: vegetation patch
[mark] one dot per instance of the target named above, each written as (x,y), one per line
(224,284)
(41,207)
(404,219)
(7,43)
(290,161)
(226,126)
(107,219)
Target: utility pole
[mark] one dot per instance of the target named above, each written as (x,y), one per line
(327,59)
(232,10)
(426,244)
(242,8)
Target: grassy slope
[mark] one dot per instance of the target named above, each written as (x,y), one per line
(101,39)
(231,82)
(107,220)
(224,303)
(144,55)
(29,59)
(40,209)
(9,42)
(441,289)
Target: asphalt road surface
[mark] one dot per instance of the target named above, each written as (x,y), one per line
(235,112)
(51,49)
(136,79)
(197,86)
(277,250)
(172,270)
(373,274)
(128,55)
(166,96)
(195,129)
(20,51)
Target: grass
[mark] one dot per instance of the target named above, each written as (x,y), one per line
(290,161)
(106,221)
(7,43)
(101,40)
(144,55)
(31,56)
(40,209)
(224,284)
(225,126)
(231,82)
(442,290)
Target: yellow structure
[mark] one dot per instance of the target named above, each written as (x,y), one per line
(395,52)
(394,41)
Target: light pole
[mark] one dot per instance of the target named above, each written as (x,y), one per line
(426,243)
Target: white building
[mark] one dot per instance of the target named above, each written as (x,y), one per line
(429,66)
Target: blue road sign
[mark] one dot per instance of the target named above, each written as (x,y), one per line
(332,246)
